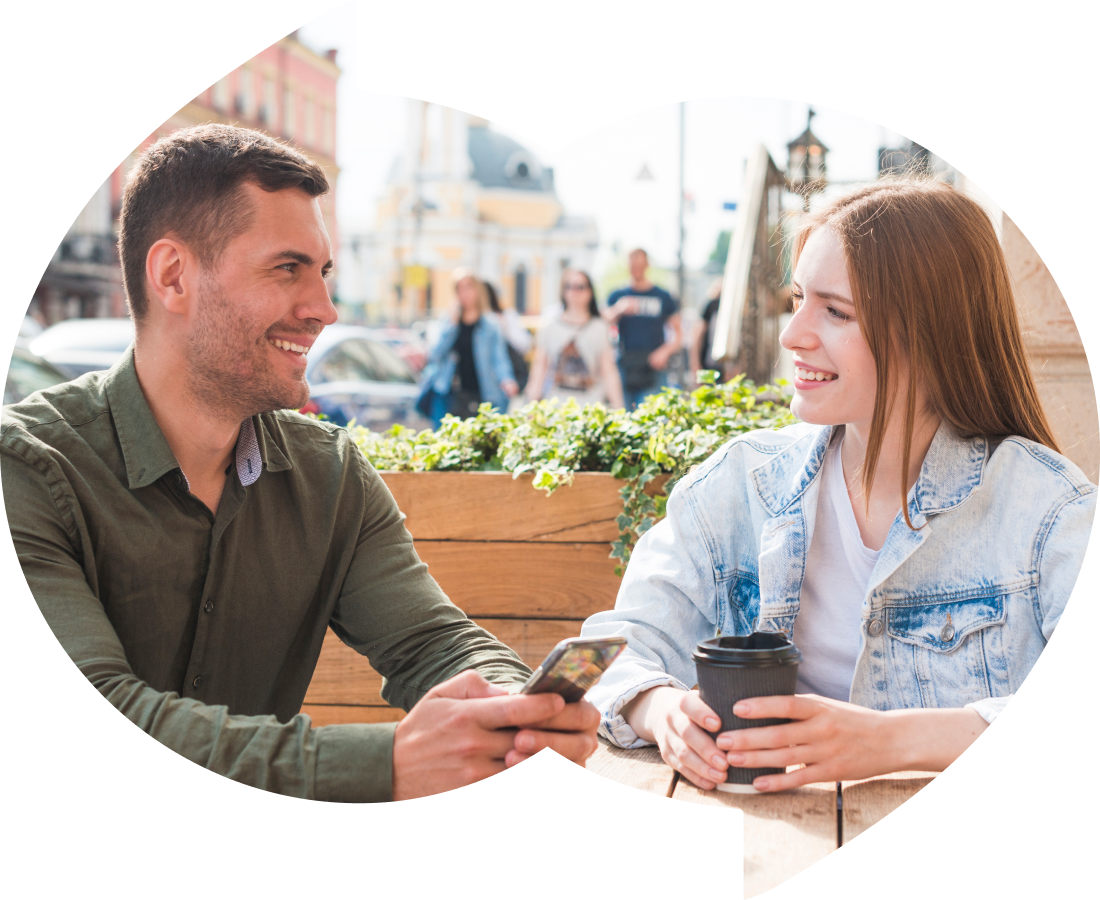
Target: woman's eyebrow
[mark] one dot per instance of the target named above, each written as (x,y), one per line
(829,295)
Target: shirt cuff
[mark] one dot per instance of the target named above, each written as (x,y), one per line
(989,708)
(355,763)
(614,727)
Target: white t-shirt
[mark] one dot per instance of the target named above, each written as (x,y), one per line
(838,571)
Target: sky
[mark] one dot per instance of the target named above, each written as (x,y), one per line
(596,171)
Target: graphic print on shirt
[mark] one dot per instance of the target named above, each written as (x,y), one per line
(571,373)
(647,306)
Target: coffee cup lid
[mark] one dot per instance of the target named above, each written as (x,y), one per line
(761,648)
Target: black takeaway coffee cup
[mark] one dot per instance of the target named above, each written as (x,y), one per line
(732,668)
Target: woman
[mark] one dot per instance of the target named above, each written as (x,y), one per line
(917,535)
(514,331)
(469,364)
(574,357)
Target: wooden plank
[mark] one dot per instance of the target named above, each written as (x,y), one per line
(868,801)
(642,768)
(523,581)
(785,832)
(345,678)
(323,714)
(492,506)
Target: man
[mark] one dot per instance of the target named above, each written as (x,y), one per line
(190,547)
(642,311)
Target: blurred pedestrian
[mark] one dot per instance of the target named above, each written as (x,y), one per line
(515,333)
(642,310)
(702,340)
(573,356)
(469,364)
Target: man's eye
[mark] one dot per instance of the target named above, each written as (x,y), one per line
(290,267)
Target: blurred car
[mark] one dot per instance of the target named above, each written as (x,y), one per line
(354,376)
(76,346)
(29,328)
(29,373)
(406,343)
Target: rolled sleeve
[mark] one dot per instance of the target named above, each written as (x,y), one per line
(667,604)
(989,708)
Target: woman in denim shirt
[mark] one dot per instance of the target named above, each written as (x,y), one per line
(932,584)
(469,364)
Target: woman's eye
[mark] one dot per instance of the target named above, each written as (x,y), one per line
(796,300)
(838,315)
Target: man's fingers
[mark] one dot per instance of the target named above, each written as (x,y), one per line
(580,716)
(577,746)
(516,710)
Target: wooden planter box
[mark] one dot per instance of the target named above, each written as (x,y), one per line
(526,567)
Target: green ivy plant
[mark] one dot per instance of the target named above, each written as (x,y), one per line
(668,434)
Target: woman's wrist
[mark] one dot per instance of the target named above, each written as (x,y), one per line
(643,711)
(929,740)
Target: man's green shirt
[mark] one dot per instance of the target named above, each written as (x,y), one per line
(203,629)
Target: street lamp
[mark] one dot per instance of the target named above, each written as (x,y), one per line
(806,163)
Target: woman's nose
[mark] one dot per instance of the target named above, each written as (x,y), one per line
(797,335)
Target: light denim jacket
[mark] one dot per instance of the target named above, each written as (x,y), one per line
(956,611)
(490,359)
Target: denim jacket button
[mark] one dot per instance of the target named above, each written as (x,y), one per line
(947,633)
(875,628)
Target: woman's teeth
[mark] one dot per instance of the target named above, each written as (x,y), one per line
(807,375)
(286,345)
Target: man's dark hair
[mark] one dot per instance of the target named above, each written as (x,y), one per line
(190,185)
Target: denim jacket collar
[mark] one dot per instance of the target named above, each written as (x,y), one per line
(951,472)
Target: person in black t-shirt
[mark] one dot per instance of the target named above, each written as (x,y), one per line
(642,311)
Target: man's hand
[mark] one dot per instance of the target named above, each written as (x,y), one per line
(572,733)
(838,741)
(461,731)
(658,359)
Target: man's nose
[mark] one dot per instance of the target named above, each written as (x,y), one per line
(318,304)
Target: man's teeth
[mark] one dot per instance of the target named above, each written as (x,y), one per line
(807,375)
(286,345)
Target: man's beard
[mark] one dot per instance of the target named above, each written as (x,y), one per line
(230,368)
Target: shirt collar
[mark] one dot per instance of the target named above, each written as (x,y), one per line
(145,449)
(951,472)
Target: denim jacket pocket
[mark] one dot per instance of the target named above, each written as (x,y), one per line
(741,605)
(945,650)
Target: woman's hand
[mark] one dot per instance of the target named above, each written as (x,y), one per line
(677,722)
(838,741)
(509,387)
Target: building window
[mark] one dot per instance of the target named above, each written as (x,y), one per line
(267,111)
(309,122)
(245,104)
(220,95)
(289,122)
(521,289)
(329,135)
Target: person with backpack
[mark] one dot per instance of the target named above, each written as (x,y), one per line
(573,355)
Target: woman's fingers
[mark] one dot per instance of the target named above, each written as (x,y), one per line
(699,713)
(686,761)
(767,737)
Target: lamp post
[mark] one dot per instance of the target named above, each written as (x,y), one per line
(806,163)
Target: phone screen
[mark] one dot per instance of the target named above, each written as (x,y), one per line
(571,670)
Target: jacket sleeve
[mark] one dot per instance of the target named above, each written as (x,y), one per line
(1060,552)
(337,762)
(502,362)
(667,603)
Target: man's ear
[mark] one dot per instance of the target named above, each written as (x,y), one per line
(171,272)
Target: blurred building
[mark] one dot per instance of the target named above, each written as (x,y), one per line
(287,90)
(461,194)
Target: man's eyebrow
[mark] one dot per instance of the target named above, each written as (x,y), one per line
(296,256)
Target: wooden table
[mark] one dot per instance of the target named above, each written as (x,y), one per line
(785,832)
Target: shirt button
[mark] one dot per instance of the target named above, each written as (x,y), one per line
(947,633)
(209,606)
(197,682)
(875,628)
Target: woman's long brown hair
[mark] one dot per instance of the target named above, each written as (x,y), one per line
(930,281)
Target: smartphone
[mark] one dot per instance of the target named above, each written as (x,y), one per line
(573,666)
